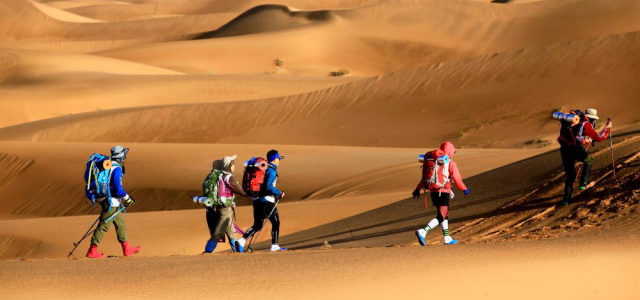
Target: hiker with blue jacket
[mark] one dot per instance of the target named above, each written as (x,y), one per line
(110,206)
(265,206)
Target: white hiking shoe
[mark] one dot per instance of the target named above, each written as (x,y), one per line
(421,234)
(276,248)
(448,240)
(240,245)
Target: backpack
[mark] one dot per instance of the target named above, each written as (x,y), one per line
(435,172)
(97,177)
(211,186)
(571,134)
(253,177)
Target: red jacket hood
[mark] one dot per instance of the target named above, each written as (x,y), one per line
(448,149)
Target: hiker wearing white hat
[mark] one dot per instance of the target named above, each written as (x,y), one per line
(574,141)
(221,186)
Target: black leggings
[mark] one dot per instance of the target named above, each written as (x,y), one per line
(441,202)
(261,210)
(571,154)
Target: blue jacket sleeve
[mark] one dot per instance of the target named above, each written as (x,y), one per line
(271,176)
(116,184)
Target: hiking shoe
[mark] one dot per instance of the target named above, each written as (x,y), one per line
(240,246)
(210,246)
(277,248)
(129,250)
(94,253)
(584,186)
(450,241)
(421,236)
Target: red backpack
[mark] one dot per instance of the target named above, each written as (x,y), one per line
(435,170)
(253,176)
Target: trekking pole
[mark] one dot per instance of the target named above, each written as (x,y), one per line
(89,232)
(263,221)
(613,162)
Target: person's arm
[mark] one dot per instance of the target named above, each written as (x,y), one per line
(236,187)
(453,170)
(590,132)
(116,183)
(271,177)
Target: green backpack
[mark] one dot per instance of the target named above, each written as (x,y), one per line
(211,185)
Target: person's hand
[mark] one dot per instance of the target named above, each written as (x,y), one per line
(609,124)
(416,193)
(128,201)
(466,192)
(282,195)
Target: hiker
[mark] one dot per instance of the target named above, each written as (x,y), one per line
(265,205)
(574,141)
(439,170)
(118,197)
(220,215)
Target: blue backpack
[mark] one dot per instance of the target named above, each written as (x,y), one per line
(97,177)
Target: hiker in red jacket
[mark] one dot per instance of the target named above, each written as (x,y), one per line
(574,142)
(438,171)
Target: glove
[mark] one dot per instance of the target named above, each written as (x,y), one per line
(128,201)
(466,192)
(416,193)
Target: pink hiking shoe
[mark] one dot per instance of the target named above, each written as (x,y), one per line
(129,250)
(94,253)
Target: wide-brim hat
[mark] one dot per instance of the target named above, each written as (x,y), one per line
(119,152)
(227,160)
(591,113)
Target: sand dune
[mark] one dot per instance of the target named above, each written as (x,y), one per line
(163,175)
(497,260)
(25,26)
(350,91)
(62,15)
(386,38)
(516,90)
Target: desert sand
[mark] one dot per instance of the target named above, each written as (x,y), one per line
(351,92)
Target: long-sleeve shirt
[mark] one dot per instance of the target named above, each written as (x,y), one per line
(589,131)
(269,191)
(115,184)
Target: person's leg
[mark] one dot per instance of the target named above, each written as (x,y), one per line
(121,227)
(103,227)
(212,242)
(586,168)
(275,227)
(98,234)
(230,231)
(258,218)
(568,162)
(422,233)
(121,231)
(258,221)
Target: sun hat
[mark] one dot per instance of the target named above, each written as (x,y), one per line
(591,113)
